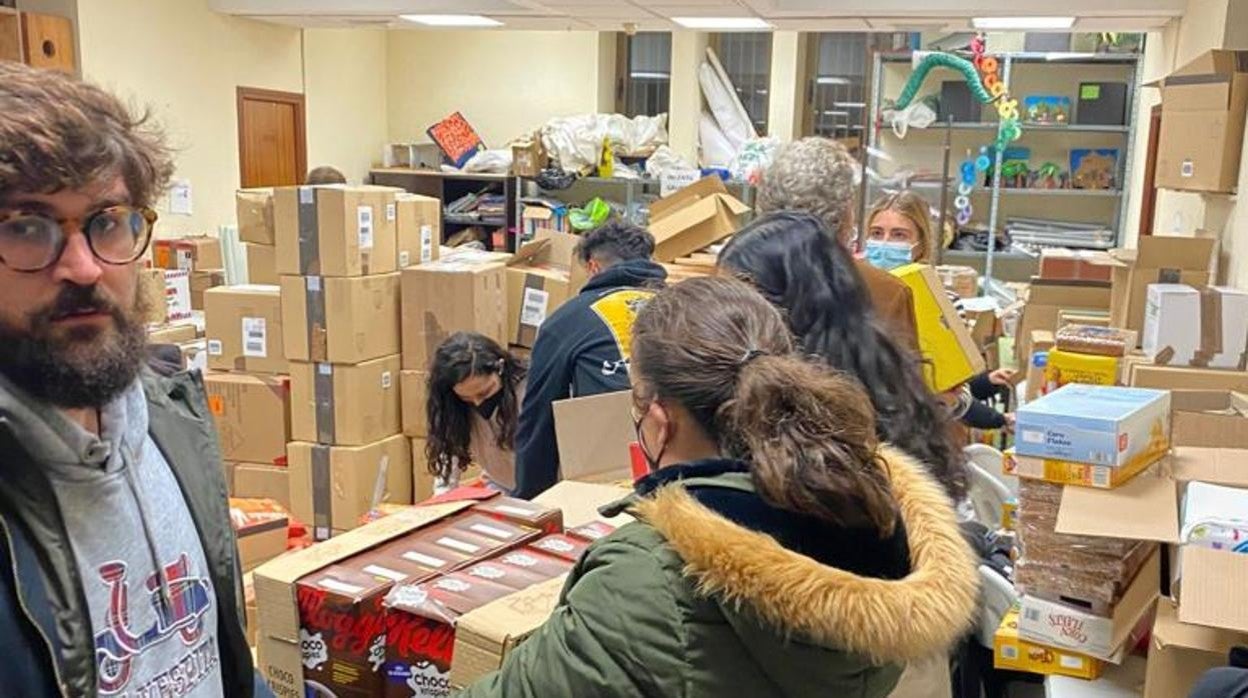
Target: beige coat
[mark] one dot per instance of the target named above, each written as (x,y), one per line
(498,464)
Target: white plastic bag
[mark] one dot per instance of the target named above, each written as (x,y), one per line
(754,157)
(717,149)
(497,161)
(663,160)
(575,142)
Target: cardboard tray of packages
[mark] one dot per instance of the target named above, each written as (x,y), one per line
(698,215)
(594,434)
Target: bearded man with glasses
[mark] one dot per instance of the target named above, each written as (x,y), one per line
(119,572)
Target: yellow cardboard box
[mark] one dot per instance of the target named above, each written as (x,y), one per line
(1066,367)
(1060,472)
(950,354)
(1009,651)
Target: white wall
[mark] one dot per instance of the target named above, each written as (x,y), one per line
(506,83)
(347,92)
(185,61)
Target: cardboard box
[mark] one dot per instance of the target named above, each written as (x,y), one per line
(341,321)
(1158,260)
(693,218)
(175,293)
(541,276)
(260,481)
(252,414)
(260,542)
(1061,472)
(261,264)
(593,434)
(197,253)
(1093,424)
(1212,418)
(332,487)
(172,334)
(1185,378)
(1011,652)
(1202,126)
(1046,299)
(277,601)
(580,502)
(342,626)
(950,354)
(152,292)
(201,281)
(1065,367)
(418,229)
(423,481)
(1060,264)
(244,329)
(963,281)
(1041,342)
(485,636)
(465,291)
(1062,626)
(528,156)
(1172,324)
(1224,328)
(1179,653)
(336,230)
(414,390)
(1098,340)
(255,216)
(345,405)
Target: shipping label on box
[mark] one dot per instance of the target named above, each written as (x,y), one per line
(178,295)
(336,230)
(1097,425)
(333,487)
(345,405)
(458,293)
(244,329)
(341,321)
(252,415)
(419,229)
(951,355)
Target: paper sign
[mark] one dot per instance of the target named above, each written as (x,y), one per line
(1090,91)
(180,198)
(673,181)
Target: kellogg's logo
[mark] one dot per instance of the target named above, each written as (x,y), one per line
(1068,627)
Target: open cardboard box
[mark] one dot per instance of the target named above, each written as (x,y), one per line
(1045,301)
(1179,653)
(1147,375)
(1148,508)
(594,434)
(698,215)
(1159,259)
(1202,128)
(542,276)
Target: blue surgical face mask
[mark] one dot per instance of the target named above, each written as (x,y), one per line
(889,255)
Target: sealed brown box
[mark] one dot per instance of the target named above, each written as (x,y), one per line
(342,627)
(1159,260)
(415,391)
(541,276)
(172,334)
(485,636)
(465,291)
(419,228)
(152,288)
(244,329)
(1059,264)
(522,512)
(341,321)
(259,481)
(421,638)
(1179,653)
(261,264)
(187,254)
(335,230)
(561,545)
(698,215)
(260,542)
(255,216)
(252,415)
(1202,126)
(1046,299)
(345,405)
(332,487)
(201,281)
(1186,378)
(423,481)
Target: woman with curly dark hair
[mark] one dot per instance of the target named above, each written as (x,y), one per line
(475,390)
(797,264)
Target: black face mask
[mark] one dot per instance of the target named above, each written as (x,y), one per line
(489,406)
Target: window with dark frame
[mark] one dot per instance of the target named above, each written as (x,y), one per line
(746,58)
(645,80)
(838,89)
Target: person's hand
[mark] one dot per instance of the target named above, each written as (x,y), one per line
(1002,376)
(1009,421)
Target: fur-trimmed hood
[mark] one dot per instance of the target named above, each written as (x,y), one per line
(887,621)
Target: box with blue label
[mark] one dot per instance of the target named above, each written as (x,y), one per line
(1095,424)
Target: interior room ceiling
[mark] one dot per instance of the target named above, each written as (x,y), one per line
(656,15)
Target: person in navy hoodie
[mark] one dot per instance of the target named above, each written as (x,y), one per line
(583,347)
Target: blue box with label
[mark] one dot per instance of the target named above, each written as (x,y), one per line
(1095,424)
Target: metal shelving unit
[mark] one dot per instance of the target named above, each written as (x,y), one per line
(1002,198)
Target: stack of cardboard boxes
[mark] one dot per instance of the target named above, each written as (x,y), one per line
(1081,594)
(173,288)
(337,260)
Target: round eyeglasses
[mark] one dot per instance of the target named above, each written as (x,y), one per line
(31,242)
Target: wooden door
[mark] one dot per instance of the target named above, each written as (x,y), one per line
(1148,203)
(48,42)
(272,143)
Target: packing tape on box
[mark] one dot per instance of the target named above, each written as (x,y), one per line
(322,493)
(1210,327)
(309,233)
(323,391)
(318,330)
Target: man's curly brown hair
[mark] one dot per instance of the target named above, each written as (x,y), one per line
(58,132)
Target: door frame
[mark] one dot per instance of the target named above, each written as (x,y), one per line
(296,100)
(1148,201)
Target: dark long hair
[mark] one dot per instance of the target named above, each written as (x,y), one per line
(796,263)
(461,356)
(717,348)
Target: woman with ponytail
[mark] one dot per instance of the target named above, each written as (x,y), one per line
(779,548)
